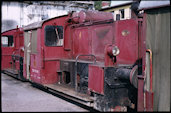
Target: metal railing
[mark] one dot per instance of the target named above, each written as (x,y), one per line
(76,68)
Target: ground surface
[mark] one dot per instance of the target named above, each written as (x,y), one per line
(21,96)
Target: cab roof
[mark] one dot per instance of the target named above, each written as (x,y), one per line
(39,24)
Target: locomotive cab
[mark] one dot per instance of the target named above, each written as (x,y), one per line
(43,48)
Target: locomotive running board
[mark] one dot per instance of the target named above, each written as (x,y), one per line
(11,72)
(70,94)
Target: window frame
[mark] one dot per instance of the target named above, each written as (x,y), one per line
(122,15)
(7,40)
(45,38)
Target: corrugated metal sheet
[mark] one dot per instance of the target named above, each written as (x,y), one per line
(158,40)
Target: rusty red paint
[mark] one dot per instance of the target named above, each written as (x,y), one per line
(99,42)
(96,79)
(80,43)
(149,101)
(47,68)
(127,44)
(16,49)
(84,16)
(140,103)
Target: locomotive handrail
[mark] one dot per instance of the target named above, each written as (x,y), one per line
(151,67)
(93,23)
(76,67)
(43,57)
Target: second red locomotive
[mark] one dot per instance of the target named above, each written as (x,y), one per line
(12,47)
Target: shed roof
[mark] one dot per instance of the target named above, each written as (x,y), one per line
(39,24)
(144,5)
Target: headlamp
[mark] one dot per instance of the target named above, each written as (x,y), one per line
(115,51)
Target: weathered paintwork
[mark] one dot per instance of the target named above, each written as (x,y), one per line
(45,63)
(84,16)
(15,50)
(96,79)
(127,41)
(89,36)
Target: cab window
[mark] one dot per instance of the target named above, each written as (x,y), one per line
(54,35)
(7,41)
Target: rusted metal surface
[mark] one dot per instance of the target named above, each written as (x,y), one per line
(140,103)
(84,16)
(149,97)
(96,79)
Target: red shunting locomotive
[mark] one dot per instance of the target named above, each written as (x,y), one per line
(85,55)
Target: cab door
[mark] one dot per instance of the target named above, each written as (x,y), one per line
(27,46)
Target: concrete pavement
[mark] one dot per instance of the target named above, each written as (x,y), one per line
(17,96)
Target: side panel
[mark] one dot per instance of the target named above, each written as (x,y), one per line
(101,36)
(81,41)
(7,52)
(35,57)
(67,38)
(6,57)
(96,79)
(50,55)
(127,41)
(49,74)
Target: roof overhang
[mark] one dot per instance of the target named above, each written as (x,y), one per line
(144,5)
